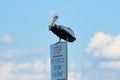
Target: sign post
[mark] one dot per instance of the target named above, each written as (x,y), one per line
(59,62)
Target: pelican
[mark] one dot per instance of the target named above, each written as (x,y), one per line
(62,32)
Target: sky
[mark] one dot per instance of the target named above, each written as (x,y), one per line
(25,39)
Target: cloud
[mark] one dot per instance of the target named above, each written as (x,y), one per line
(109,65)
(39,66)
(74,72)
(5,70)
(11,53)
(24,71)
(75,75)
(37,70)
(103,71)
(100,75)
(23,66)
(6,39)
(104,46)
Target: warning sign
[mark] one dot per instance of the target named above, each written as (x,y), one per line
(58,61)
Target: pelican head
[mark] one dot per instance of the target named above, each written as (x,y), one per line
(53,22)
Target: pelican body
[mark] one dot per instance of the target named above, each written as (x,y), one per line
(63,32)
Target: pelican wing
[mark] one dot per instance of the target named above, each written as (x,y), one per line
(68,30)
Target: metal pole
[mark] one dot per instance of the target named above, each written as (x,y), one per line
(67,59)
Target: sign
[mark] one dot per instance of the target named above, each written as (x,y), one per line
(58,61)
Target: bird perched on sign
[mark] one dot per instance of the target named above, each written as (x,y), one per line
(62,32)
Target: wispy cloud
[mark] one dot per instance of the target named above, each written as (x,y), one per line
(75,75)
(109,65)
(74,72)
(5,39)
(104,45)
(101,75)
(11,53)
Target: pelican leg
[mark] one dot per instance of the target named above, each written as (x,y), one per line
(67,39)
(59,40)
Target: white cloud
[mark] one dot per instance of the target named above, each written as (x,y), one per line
(109,65)
(5,70)
(37,70)
(100,75)
(104,45)
(11,53)
(74,76)
(24,66)
(6,39)
(48,65)
(39,66)
(12,71)
(74,72)
(73,66)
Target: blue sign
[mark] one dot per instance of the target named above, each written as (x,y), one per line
(58,58)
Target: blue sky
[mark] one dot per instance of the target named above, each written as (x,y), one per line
(25,40)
